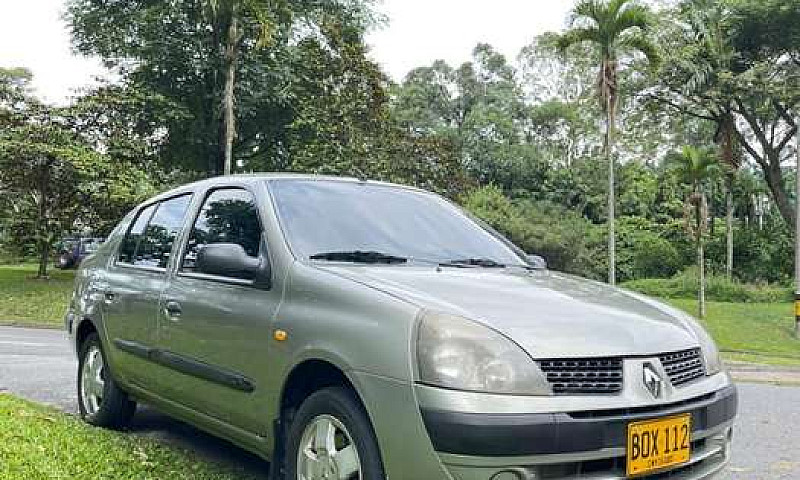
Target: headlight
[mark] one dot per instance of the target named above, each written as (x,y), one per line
(453,352)
(711,355)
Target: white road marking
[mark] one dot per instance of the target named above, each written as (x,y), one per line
(25,344)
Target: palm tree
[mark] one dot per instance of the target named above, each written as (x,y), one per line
(714,54)
(695,166)
(617,28)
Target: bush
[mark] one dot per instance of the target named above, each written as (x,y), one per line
(718,288)
(642,252)
(568,242)
(571,243)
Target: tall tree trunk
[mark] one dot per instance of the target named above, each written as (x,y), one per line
(44,256)
(700,212)
(774,178)
(41,224)
(229,118)
(797,235)
(701,292)
(609,146)
(729,229)
(711,215)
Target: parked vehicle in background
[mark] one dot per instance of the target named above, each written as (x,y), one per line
(347,329)
(72,250)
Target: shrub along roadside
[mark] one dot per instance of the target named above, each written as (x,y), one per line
(718,288)
(571,243)
(39,442)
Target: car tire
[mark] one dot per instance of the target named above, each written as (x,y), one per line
(100,400)
(351,443)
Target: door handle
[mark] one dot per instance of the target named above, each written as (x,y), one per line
(109,296)
(173,308)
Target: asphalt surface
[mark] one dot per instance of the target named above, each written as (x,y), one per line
(40,365)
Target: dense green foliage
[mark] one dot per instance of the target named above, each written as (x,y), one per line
(68,167)
(519,141)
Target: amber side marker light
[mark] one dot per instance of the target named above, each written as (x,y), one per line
(280,335)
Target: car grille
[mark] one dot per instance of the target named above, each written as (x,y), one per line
(583,375)
(683,367)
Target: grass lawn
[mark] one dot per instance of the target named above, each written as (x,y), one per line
(744,329)
(27,301)
(38,442)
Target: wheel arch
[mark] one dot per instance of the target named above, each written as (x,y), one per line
(304,378)
(85,327)
(309,376)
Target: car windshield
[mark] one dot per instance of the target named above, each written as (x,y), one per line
(375,223)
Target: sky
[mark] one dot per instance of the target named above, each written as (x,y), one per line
(33,35)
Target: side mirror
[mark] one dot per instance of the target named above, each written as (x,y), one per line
(537,261)
(228,260)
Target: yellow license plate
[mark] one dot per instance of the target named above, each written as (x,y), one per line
(658,444)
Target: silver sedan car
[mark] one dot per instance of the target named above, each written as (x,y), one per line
(348,329)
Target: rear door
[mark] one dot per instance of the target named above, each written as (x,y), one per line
(135,281)
(216,330)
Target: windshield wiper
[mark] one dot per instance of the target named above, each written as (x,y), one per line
(473,262)
(358,256)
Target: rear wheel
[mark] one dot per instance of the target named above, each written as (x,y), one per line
(331,438)
(100,401)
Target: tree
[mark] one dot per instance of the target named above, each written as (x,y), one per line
(226,18)
(477,108)
(693,75)
(124,123)
(44,167)
(695,166)
(616,28)
(765,35)
(14,94)
(201,56)
(718,71)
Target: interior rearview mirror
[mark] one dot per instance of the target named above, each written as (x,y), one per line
(227,260)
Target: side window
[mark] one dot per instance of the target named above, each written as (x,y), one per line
(228,215)
(150,245)
(127,249)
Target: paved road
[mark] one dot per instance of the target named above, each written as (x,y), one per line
(39,365)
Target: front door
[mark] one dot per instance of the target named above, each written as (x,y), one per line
(215,331)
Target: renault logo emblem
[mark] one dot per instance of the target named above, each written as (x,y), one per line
(652,380)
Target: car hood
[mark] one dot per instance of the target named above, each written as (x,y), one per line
(549,314)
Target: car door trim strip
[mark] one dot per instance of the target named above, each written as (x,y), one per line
(187,366)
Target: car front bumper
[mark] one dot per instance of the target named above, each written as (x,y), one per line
(433,433)
(587,444)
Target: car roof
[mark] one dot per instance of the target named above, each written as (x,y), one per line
(250,178)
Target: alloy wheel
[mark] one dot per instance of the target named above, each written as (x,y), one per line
(92,382)
(327,452)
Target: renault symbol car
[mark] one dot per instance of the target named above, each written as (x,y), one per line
(349,329)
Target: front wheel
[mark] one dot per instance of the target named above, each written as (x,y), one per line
(100,401)
(331,438)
